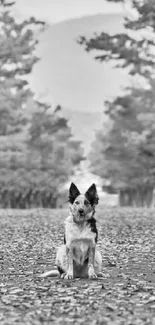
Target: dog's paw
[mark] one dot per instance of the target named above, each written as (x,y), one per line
(100,275)
(67,276)
(92,274)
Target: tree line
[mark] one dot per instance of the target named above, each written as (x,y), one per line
(123,153)
(37,150)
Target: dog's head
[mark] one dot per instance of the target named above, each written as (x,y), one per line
(82,205)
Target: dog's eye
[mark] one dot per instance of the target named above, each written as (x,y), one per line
(86,203)
(76,202)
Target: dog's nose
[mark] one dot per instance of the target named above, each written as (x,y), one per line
(81,211)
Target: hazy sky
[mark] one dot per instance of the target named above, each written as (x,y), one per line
(57,10)
(61,78)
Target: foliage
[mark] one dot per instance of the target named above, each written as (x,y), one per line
(134,47)
(124,154)
(6,3)
(124,150)
(33,172)
(37,151)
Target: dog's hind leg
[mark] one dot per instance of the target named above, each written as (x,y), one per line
(98,262)
(61,260)
(61,263)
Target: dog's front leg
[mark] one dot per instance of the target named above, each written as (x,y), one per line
(91,271)
(69,274)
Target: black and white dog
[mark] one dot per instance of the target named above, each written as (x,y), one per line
(79,256)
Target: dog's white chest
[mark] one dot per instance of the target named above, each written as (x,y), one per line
(79,238)
(74,233)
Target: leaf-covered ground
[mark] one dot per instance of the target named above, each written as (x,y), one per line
(125,294)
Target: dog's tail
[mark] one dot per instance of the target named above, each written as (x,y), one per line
(52,273)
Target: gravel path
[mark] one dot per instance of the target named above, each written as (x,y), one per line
(125,294)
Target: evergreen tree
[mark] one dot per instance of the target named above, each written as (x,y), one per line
(37,151)
(124,150)
(125,153)
(133,48)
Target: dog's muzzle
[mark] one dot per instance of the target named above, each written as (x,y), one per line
(81,212)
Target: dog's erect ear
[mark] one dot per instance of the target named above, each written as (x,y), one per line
(73,193)
(92,195)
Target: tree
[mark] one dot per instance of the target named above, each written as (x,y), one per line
(134,47)
(37,151)
(52,150)
(6,3)
(124,155)
(36,176)
(17,58)
(124,150)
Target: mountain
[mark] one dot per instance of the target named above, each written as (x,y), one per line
(69,76)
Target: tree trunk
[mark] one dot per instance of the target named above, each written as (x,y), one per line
(126,197)
(143,196)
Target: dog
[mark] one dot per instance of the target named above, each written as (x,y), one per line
(79,256)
